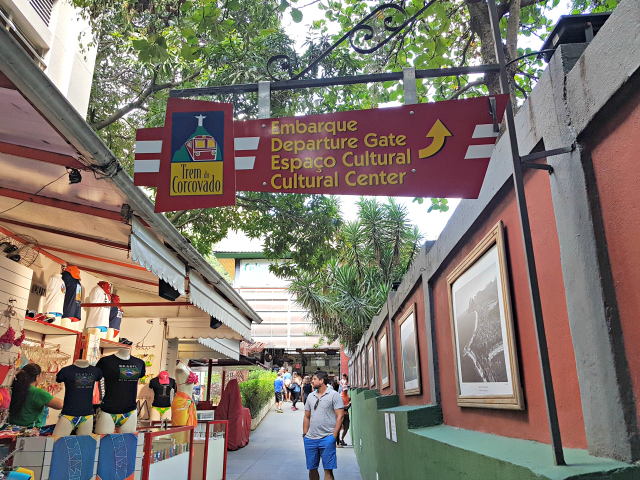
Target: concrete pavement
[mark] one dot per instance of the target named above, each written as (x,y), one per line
(276,451)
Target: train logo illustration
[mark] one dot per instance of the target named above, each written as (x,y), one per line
(202,148)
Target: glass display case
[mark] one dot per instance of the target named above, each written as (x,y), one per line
(210,446)
(167,453)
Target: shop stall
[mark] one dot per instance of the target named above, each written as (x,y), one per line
(91,276)
(168,453)
(210,450)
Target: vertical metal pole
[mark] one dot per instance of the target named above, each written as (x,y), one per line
(409,85)
(264,99)
(543,352)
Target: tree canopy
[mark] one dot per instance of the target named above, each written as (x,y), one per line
(147,47)
(373,252)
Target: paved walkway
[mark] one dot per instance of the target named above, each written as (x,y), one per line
(276,451)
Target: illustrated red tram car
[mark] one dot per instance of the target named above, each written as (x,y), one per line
(202,148)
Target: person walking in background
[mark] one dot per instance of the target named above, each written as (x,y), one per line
(278,386)
(344,383)
(306,389)
(296,383)
(345,419)
(321,426)
(287,384)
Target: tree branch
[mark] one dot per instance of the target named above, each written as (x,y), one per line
(503,8)
(469,85)
(142,98)
(174,218)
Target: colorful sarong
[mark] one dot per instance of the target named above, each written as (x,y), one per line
(183,411)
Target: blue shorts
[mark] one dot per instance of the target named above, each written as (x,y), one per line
(323,447)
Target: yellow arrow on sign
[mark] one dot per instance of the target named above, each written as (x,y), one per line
(439,133)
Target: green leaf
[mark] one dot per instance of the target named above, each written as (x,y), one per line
(186,6)
(234,5)
(283,5)
(418,200)
(296,15)
(188,33)
(140,44)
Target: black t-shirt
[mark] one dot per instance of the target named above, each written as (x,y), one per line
(78,389)
(72,297)
(161,393)
(115,318)
(120,383)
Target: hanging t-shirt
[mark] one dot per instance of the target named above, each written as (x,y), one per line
(72,298)
(162,393)
(78,389)
(54,299)
(98,316)
(120,383)
(115,318)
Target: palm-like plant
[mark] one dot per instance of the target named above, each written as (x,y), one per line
(373,252)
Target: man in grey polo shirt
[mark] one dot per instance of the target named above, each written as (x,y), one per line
(322,421)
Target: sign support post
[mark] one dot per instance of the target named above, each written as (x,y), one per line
(532,274)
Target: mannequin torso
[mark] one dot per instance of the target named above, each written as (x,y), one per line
(121,374)
(77,412)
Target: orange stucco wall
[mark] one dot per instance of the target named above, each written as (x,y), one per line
(424,398)
(615,162)
(530,423)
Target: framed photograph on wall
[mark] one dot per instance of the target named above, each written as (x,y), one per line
(356,366)
(363,365)
(484,343)
(409,348)
(383,361)
(371,365)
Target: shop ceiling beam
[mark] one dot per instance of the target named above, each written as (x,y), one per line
(117,275)
(51,257)
(62,204)
(40,155)
(139,304)
(97,259)
(63,233)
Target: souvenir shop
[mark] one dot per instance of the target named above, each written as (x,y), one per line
(106,297)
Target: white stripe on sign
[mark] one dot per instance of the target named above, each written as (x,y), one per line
(246,143)
(484,131)
(479,151)
(146,166)
(245,163)
(149,146)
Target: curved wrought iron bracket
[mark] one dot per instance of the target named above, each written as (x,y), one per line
(390,25)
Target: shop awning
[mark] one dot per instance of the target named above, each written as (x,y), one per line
(209,348)
(150,252)
(206,298)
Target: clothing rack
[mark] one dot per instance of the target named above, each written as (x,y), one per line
(50,359)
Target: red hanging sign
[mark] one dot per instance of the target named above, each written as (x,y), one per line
(196,157)
(439,149)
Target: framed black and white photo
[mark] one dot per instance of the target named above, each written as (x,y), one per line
(410,357)
(363,364)
(383,361)
(371,365)
(486,361)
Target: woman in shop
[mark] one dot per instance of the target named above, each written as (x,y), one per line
(28,401)
(296,383)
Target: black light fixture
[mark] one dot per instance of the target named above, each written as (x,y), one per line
(395,285)
(74,176)
(166,291)
(214,322)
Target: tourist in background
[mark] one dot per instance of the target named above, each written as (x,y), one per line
(287,385)
(296,383)
(345,419)
(278,386)
(306,389)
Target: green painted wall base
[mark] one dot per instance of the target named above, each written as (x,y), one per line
(426,449)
